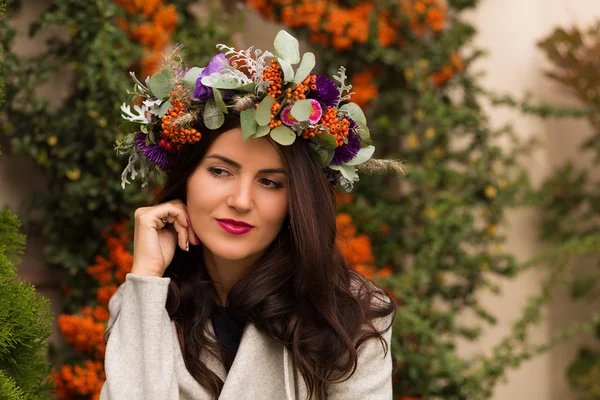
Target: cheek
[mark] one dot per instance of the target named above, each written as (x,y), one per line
(275,210)
(201,194)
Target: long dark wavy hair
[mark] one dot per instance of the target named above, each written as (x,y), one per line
(302,293)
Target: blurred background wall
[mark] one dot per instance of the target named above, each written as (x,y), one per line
(508,29)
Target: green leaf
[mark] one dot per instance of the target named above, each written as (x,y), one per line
(583,285)
(262,131)
(248,87)
(324,156)
(355,112)
(365,134)
(164,108)
(305,68)
(263,112)
(325,140)
(144,128)
(288,71)
(283,135)
(190,78)
(248,122)
(161,84)
(213,117)
(287,47)
(363,155)
(151,136)
(301,110)
(219,100)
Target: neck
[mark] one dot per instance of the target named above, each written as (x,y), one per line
(225,273)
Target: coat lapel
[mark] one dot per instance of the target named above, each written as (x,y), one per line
(257,370)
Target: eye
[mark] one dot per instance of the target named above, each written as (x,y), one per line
(218,172)
(270,184)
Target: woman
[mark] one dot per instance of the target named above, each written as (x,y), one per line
(237,289)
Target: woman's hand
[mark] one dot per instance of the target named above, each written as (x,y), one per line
(154,240)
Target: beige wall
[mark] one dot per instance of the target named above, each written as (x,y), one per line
(509,30)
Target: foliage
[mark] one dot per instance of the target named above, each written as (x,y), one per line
(84,331)
(2,11)
(72,139)
(25,323)
(569,198)
(439,229)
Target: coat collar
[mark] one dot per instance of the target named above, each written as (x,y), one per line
(262,369)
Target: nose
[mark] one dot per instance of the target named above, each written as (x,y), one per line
(241,196)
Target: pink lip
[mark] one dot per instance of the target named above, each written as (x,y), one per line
(234,227)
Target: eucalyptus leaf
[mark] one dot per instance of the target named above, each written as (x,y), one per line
(161,84)
(262,131)
(283,135)
(301,110)
(348,171)
(363,155)
(248,87)
(190,78)
(263,112)
(223,82)
(288,70)
(325,140)
(213,117)
(287,47)
(164,109)
(305,68)
(248,122)
(144,128)
(219,100)
(365,135)
(355,112)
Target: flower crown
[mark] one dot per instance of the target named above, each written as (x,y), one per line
(272,99)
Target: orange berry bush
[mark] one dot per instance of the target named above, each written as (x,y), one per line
(84,331)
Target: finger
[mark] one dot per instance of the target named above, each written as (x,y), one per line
(170,212)
(182,235)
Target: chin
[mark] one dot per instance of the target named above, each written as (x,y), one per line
(232,251)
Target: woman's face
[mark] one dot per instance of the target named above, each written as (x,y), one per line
(237,198)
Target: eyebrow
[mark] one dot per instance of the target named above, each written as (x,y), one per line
(237,165)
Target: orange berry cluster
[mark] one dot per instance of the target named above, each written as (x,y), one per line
(274,109)
(175,133)
(338,128)
(83,333)
(273,74)
(84,380)
(151,23)
(300,90)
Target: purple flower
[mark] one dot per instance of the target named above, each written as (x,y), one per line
(326,93)
(202,92)
(154,153)
(347,151)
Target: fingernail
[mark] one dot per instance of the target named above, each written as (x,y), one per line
(188,222)
(197,239)
(187,245)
